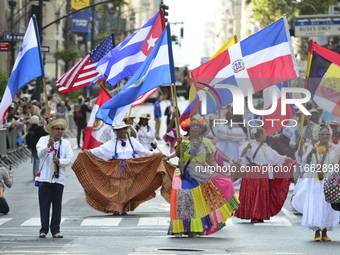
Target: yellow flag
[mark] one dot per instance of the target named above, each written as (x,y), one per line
(229,43)
(232,41)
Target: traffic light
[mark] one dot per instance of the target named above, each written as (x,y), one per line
(174,39)
(164,8)
(35,10)
(182,33)
(292,33)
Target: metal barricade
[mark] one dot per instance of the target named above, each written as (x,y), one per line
(3,141)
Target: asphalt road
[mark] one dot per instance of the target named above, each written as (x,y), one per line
(144,231)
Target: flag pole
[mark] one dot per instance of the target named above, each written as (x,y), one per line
(174,98)
(47,106)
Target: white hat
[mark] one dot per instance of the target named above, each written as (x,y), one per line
(121,125)
(34,120)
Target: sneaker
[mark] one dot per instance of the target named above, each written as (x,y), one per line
(58,235)
(42,235)
(179,235)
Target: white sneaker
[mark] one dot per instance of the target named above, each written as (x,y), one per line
(179,235)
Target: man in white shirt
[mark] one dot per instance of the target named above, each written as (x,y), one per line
(55,155)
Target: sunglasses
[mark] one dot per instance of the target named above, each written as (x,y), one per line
(59,129)
(324,134)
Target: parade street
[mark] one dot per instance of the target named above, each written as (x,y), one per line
(143,231)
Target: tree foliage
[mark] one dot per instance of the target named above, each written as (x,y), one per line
(3,82)
(268,11)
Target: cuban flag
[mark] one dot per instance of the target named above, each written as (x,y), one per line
(257,62)
(125,59)
(156,70)
(275,121)
(28,66)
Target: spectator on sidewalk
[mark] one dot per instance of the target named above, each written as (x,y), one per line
(80,119)
(6,178)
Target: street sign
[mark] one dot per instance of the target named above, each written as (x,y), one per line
(16,36)
(45,49)
(317,28)
(5,46)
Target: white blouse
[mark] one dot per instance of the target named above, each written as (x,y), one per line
(107,150)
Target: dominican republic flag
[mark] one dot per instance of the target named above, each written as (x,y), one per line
(83,73)
(28,66)
(268,102)
(95,127)
(156,70)
(257,62)
(125,59)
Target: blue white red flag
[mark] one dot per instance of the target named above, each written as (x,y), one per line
(83,73)
(257,62)
(95,127)
(141,100)
(273,121)
(28,66)
(156,70)
(125,59)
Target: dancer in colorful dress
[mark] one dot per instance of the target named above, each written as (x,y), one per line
(262,191)
(203,199)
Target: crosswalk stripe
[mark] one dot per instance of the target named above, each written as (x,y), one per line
(288,213)
(34,222)
(101,222)
(3,220)
(274,222)
(153,221)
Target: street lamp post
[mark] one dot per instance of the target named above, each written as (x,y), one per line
(12,4)
(306,3)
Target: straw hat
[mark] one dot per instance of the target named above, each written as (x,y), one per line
(128,117)
(145,116)
(55,122)
(121,125)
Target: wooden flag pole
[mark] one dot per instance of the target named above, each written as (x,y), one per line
(47,106)
(178,133)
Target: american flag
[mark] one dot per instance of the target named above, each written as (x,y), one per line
(84,72)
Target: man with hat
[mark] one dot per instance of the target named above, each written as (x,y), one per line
(55,155)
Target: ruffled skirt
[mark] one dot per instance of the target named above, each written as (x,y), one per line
(201,203)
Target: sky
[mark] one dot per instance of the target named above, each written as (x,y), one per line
(195,14)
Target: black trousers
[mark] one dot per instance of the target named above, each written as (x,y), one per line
(4,208)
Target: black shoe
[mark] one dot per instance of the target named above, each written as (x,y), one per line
(124,213)
(42,235)
(58,235)
(115,213)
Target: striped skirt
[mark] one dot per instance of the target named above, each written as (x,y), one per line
(110,187)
